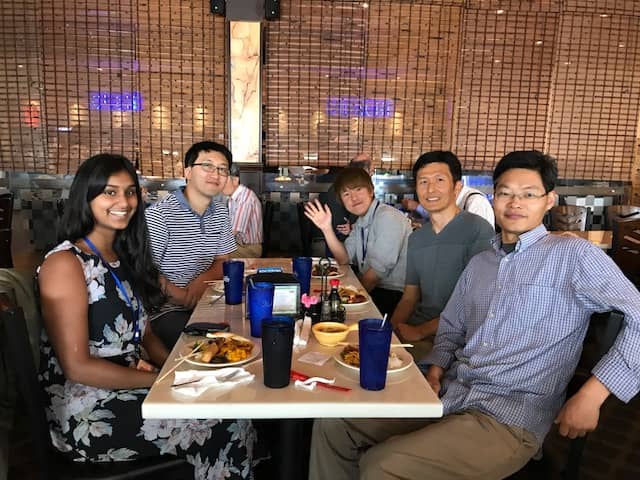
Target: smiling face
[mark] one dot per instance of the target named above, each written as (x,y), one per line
(436,189)
(201,182)
(115,206)
(520,202)
(357,199)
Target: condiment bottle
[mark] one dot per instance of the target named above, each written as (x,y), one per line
(335,303)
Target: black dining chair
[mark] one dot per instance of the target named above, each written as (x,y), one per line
(620,212)
(625,248)
(601,335)
(6,216)
(16,351)
(267,219)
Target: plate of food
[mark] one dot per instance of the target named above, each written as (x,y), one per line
(352,296)
(334,271)
(349,357)
(221,349)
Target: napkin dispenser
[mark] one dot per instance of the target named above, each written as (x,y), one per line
(286,292)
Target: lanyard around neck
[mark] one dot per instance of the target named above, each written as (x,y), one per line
(366,239)
(135,311)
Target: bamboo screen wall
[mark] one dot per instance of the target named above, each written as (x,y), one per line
(146,79)
(393,77)
(482,78)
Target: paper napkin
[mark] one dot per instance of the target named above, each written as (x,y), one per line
(195,382)
(301,332)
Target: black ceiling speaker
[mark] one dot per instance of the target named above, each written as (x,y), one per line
(217,7)
(271,9)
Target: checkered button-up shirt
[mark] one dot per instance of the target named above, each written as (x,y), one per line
(511,334)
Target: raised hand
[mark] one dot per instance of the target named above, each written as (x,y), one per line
(319,214)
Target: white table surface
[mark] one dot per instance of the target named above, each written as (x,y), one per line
(406,395)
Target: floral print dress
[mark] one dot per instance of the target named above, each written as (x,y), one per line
(100,425)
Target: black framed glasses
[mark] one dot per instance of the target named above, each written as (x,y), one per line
(504,195)
(210,168)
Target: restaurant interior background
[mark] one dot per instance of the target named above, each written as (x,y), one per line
(394,78)
(336,77)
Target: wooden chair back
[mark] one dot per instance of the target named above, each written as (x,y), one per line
(625,249)
(570,217)
(620,212)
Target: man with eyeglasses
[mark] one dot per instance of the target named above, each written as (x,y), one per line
(507,345)
(190,235)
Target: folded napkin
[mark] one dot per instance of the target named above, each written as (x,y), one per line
(194,382)
(301,332)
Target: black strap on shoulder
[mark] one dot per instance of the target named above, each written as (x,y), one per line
(466,200)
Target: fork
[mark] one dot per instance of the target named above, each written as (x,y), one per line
(224,378)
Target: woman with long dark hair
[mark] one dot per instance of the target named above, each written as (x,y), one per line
(98,354)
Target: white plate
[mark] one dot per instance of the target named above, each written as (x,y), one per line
(360,291)
(407,361)
(188,348)
(329,277)
(353,305)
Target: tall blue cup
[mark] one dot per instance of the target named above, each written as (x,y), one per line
(375,343)
(233,271)
(259,305)
(301,267)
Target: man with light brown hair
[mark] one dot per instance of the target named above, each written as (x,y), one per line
(377,245)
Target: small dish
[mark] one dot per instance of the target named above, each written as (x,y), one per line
(330,334)
(403,356)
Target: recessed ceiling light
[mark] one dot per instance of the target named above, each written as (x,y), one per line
(496,61)
(539,42)
(500,11)
(365,5)
(621,45)
(603,15)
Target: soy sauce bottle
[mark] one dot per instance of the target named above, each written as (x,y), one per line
(335,304)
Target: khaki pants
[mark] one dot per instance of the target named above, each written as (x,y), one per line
(252,250)
(468,445)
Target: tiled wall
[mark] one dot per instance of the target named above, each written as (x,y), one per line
(36,208)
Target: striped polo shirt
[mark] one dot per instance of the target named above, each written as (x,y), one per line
(184,243)
(246,215)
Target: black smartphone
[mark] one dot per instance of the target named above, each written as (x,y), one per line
(202,328)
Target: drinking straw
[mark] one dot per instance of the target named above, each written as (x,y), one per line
(384,319)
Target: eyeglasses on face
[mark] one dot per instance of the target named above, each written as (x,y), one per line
(505,195)
(210,168)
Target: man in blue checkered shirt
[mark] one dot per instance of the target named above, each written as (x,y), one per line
(507,345)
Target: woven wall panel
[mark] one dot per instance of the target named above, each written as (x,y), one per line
(183,74)
(169,55)
(505,79)
(516,5)
(596,96)
(401,53)
(603,7)
(22,134)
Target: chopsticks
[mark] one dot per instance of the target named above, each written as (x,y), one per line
(301,376)
(182,360)
(405,345)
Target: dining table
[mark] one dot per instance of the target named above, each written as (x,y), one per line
(406,394)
